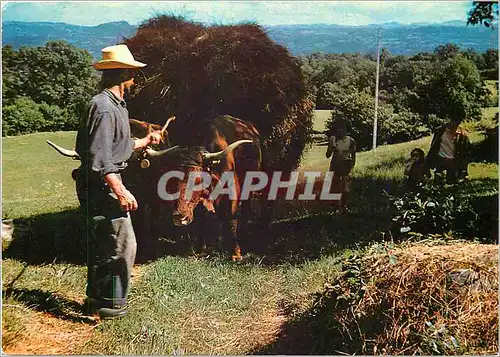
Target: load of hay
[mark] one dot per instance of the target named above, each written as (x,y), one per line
(197,72)
(423,299)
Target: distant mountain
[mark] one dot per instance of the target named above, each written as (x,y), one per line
(299,39)
(91,38)
(397,38)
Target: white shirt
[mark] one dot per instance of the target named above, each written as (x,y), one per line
(447,148)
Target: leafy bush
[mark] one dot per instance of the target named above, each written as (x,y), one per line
(456,91)
(25,116)
(403,126)
(58,76)
(491,74)
(443,210)
(434,122)
(358,109)
(58,118)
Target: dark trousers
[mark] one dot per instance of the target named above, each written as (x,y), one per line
(451,168)
(111,244)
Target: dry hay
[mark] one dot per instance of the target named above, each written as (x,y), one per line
(434,300)
(197,72)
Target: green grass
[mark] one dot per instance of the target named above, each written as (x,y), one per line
(35,178)
(320,119)
(184,304)
(492,87)
(208,307)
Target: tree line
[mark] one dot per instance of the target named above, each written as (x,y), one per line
(45,88)
(48,88)
(416,93)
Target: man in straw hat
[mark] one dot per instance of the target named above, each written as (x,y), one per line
(104,144)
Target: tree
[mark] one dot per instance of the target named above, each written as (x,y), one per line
(443,52)
(57,74)
(329,92)
(24,116)
(358,109)
(455,92)
(475,57)
(490,58)
(483,13)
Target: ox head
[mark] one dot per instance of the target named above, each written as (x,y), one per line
(195,163)
(140,129)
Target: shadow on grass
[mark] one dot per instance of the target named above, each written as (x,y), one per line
(487,149)
(49,302)
(305,231)
(315,332)
(322,231)
(57,238)
(48,238)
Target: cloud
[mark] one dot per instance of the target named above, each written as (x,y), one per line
(227,12)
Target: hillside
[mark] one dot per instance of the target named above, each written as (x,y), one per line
(299,39)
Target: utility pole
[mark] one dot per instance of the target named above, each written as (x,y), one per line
(376,95)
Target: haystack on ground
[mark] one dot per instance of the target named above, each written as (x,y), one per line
(439,299)
(197,72)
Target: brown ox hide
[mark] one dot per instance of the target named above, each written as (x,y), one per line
(140,129)
(141,182)
(218,134)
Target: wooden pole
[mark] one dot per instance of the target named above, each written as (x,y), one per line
(375,123)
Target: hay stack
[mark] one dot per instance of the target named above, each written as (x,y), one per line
(434,300)
(197,72)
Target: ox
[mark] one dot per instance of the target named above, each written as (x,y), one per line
(219,152)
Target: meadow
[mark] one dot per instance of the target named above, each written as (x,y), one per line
(182,303)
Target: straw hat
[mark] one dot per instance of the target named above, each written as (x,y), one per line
(115,57)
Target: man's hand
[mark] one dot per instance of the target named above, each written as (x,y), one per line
(127,201)
(125,198)
(154,138)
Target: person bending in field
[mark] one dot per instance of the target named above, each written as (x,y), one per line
(416,171)
(342,149)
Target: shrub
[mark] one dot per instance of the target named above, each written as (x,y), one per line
(443,210)
(57,118)
(403,126)
(24,116)
(358,109)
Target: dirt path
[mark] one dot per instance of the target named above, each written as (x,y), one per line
(49,335)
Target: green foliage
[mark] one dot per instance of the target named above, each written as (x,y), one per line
(438,209)
(58,77)
(403,126)
(416,95)
(483,13)
(447,51)
(455,92)
(358,109)
(25,116)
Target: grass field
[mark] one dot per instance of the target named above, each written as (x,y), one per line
(320,119)
(181,303)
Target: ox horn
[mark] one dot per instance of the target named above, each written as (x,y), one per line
(153,153)
(221,154)
(166,124)
(69,153)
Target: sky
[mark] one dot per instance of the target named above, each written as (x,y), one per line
(91,13)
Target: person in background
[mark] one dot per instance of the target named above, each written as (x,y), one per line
(104,144)
(416,171)
(342,149)
(449,151)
